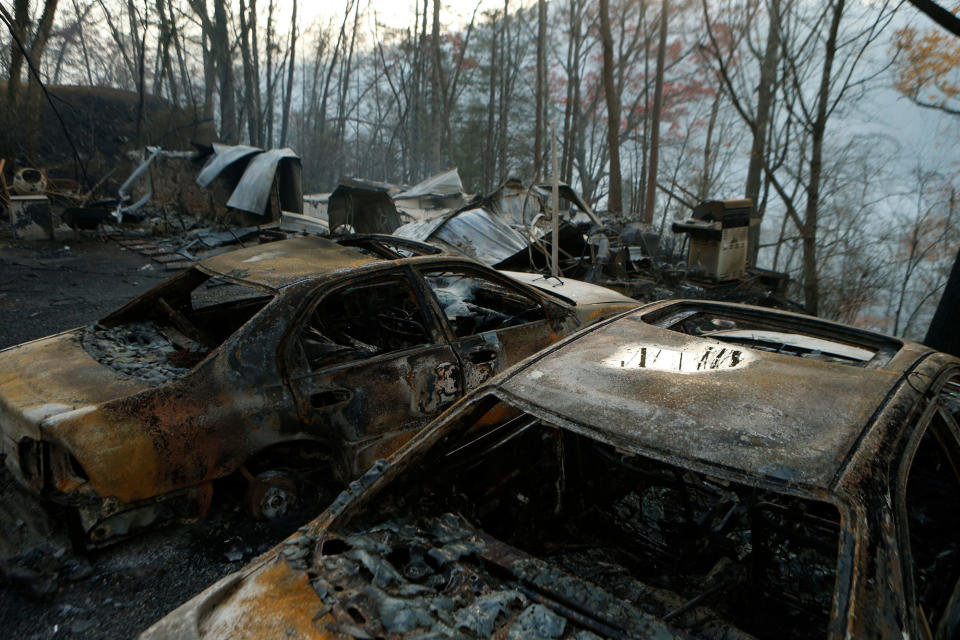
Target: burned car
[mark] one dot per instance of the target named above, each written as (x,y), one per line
(290,355)
(684,470)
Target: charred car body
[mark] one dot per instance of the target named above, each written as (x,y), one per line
(685,470)
(301,351)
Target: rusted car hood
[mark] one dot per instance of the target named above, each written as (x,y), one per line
(51,376)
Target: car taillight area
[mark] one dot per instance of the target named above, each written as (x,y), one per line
(48,467)
(66,475)
(31,457)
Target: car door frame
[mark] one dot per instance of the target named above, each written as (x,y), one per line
(923,422)
(295,367)
(489,350)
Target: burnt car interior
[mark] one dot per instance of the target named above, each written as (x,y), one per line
(473,304)
(363,320)
(174,326)
(790,336)
(714,557)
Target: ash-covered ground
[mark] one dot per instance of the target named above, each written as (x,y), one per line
(116,592)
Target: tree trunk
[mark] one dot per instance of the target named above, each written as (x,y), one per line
(222,53)
(21,24)
(209,78)
(271,81)
(540,99)
(185,79)
(614,196)
(344,82)
(650,200)
(503,128)
(289,95)
(249,79)
(36,51)
(489,162)
(768,77)
(705,177)
(436,96)
(943,334)
(811,291)
(83,42)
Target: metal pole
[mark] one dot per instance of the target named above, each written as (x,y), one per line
(555,204)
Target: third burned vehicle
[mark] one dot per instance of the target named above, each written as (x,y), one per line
(261,362)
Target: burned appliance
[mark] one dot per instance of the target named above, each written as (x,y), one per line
(718,237)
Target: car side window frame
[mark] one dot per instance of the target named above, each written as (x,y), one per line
(950,445)
(421,271)
(296,363)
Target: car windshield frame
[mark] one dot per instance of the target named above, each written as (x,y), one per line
(496,401)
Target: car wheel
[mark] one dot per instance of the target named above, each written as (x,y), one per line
(271,495)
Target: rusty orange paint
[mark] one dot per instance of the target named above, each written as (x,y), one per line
(274,602)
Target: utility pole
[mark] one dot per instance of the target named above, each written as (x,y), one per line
(555,204)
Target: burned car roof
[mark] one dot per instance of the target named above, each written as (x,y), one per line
(697,397)
(277,264)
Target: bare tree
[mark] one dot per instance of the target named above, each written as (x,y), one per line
(650,199)
(251,71)
(614,194)
(540,99)
(822,69)
(289,93)
(34,44)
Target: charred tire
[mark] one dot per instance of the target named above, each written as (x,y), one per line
(271,495)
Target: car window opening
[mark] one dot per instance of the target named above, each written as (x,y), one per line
(777,338)
(714,557)
(166,332)
(475,305)
(362,321)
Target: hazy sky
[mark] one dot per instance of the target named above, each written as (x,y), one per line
(922,135)
(400,13)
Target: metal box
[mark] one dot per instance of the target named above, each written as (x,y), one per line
(718,238)
(30,217)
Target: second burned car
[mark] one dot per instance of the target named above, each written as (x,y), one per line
(688,470)
(301,353)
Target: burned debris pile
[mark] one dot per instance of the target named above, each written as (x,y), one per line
(432,577)
(221,195)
